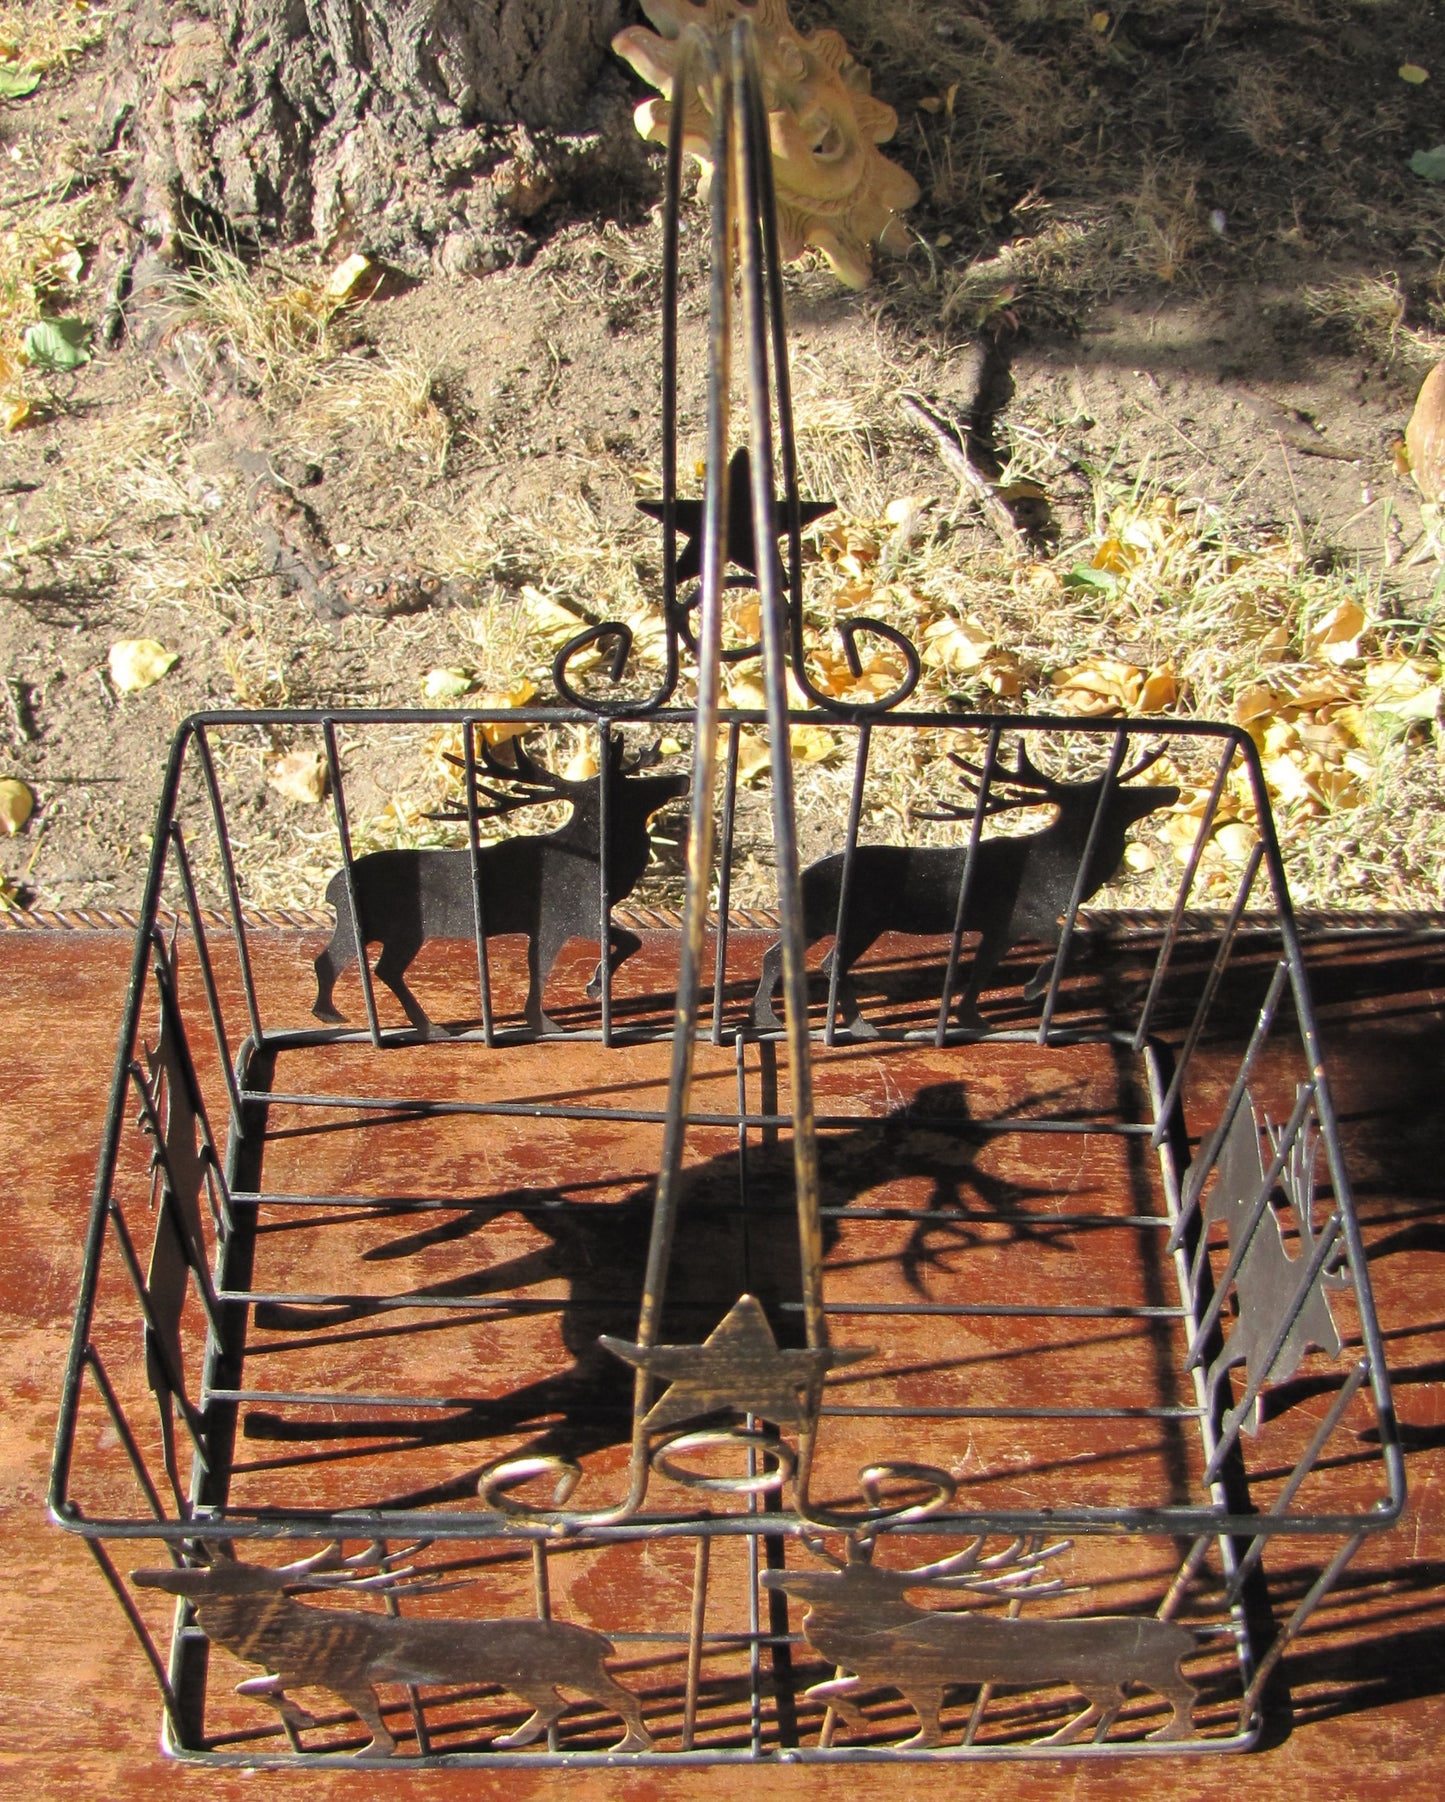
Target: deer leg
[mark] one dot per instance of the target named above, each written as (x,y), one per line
(624,944)
(272,1691)
(929,1704)
(329,965)
(1179,1693)
(548,1705)
(853,1022)
(542,949)
(396,955)
(361,1697)
(605,1688)
(1038,983)
(839,1693)
(986,960)
(1105,1701)
(763,1019)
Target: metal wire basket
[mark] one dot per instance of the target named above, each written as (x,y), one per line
(957,1363)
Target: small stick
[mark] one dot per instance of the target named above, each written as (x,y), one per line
(955,455)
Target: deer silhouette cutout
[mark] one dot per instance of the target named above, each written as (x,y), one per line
(857,1616)
(1267,1277)
(1019,888)
(545,886)
(250,1610)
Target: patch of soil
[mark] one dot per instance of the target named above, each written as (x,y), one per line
(1158,299)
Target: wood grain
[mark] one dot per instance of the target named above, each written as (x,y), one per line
(1364,1710)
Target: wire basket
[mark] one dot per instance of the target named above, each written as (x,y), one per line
(550,1345)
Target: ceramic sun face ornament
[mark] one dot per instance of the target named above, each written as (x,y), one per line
(834,190)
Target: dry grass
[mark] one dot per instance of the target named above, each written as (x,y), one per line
(44,36)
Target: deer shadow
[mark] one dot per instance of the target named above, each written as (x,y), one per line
(737,1232)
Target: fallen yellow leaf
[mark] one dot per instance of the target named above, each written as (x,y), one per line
(498,732)
(1254,705)
(752,757)
(581,766)
(1337,635)
(445,685)
(1235,841)
(347,276)
(137,663)
(811,744)
(16,413)
(299,776)
(17,803)
(1425,436)
(1160,690)
(960,644)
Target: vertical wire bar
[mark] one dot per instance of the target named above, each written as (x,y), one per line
(115,1124)
(604,889)
(845,886)
(233,887)
(392,1603)
(1391,1450)
(1181,900)
(1211,986)
(1202,1163)
(700,819)
(171,1206)
(172,1376)
(474,853)
(170,1701)
(208,974)
(176,1026)
(965,882)
(128,1441)
(695,1626)
(1316,1593)
(1301,1471)
(755,1618)
(1186,1574)
(348,870)
(542,1594)
(985,1690)
(1243,1237)
(757,210)
(725,880)
(1081,882)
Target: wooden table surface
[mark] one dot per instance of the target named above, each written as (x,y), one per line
(1362,1718)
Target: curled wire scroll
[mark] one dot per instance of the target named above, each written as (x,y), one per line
(612,641)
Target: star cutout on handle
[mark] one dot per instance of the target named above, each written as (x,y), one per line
(737,1366)
(739,547)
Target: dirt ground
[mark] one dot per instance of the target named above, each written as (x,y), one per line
(1172,262)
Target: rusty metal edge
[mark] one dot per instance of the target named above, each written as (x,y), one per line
(1108,922)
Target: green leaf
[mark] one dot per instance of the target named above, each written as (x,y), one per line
(1430,163)
(1097,581)
(57,345)
(15,83)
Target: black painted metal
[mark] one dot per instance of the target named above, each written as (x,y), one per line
(769,1351)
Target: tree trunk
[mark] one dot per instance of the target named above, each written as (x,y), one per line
(416,130)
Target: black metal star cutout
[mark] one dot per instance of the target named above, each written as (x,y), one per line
(737,1366)
(740,547)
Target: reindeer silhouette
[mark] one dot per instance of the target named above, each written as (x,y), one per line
(544,886)
(1019,888)
(249,1609)
(858,1618)
(1267,1276)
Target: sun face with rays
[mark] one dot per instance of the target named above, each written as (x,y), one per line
(834,190)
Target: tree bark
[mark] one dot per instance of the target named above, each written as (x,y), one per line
(417,130)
